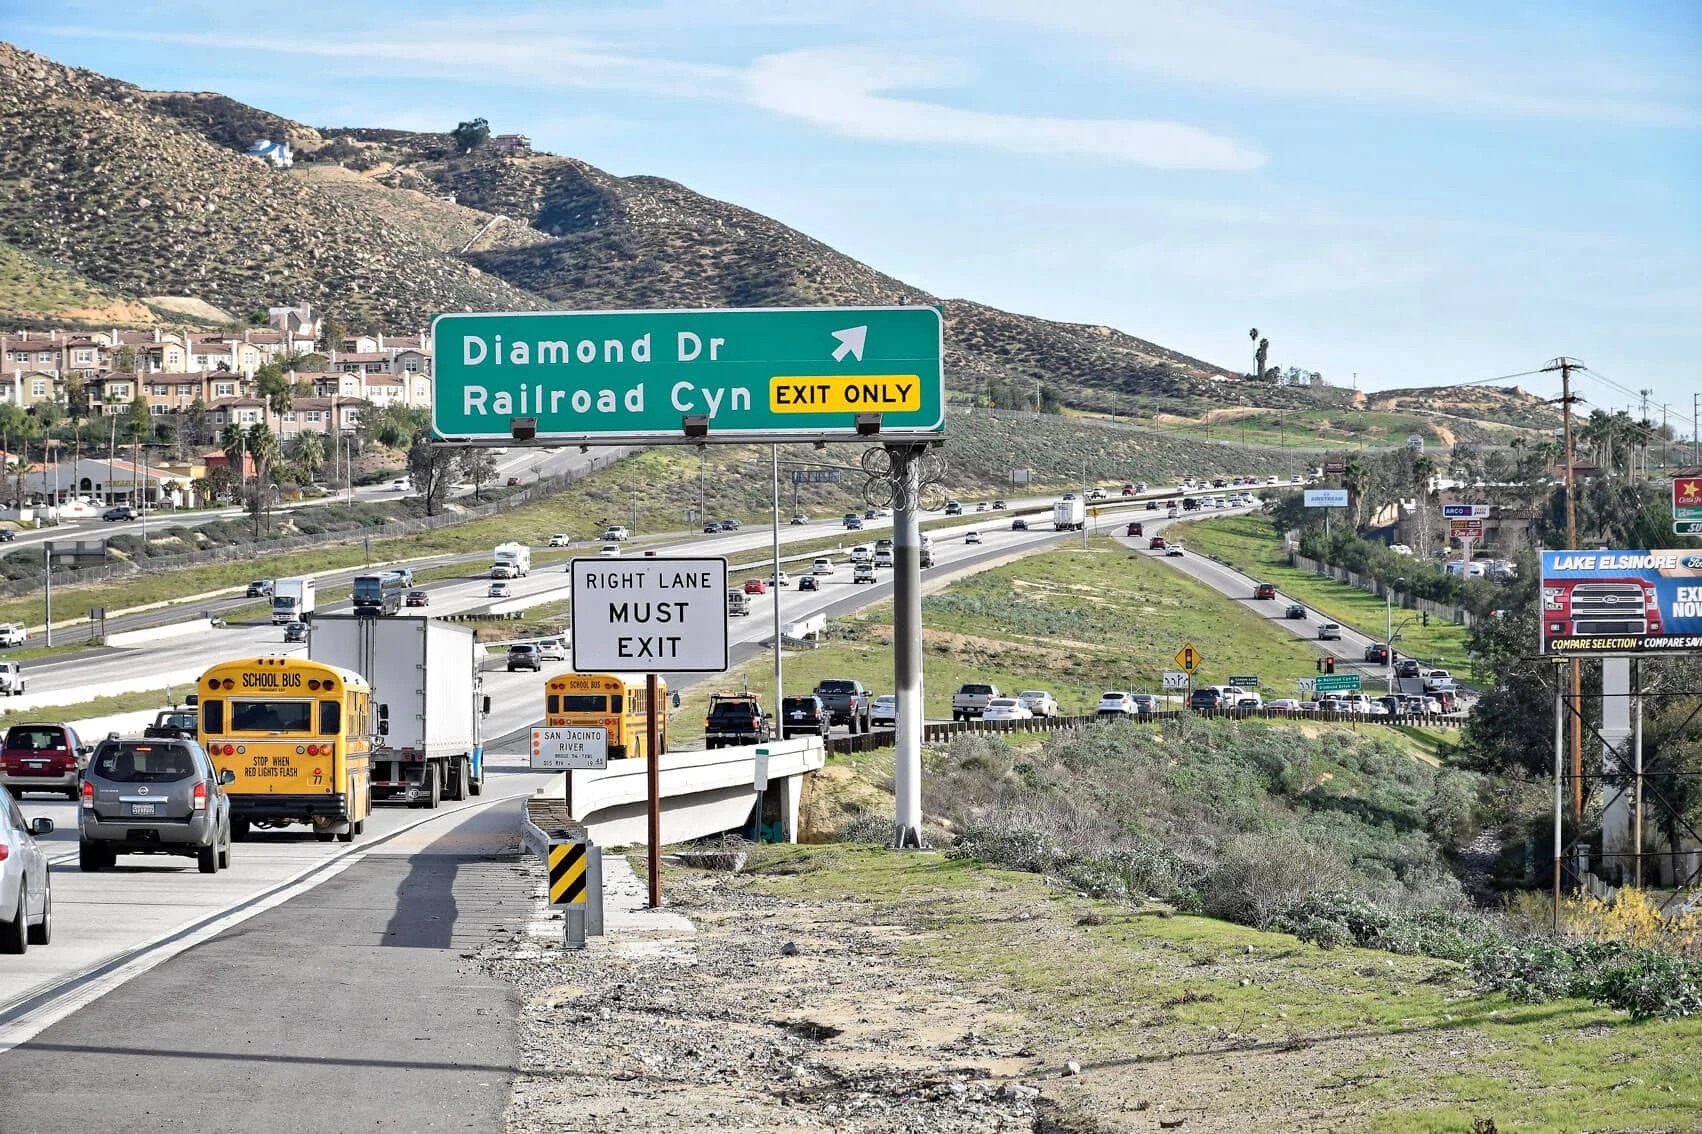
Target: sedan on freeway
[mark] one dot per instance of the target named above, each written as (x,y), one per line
(417,598)
(1039,702)
(1174,551)
(809,583)
(1115,704)
(26,894)
(1295,610)
(883,710)
(295,632)
(1019,525)
(972,537)
(498,589)
(1006,709)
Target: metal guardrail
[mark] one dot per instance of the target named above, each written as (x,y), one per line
(939,731)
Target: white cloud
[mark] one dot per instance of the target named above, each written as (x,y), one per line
(1340,51)
(845,90)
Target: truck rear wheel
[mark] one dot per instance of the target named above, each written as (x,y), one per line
(459,772)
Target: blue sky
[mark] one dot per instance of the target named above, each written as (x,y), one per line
(1411,193)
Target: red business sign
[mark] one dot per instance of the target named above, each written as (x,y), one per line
(1687,495)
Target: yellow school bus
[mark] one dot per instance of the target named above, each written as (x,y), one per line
(615,701)
(298,735)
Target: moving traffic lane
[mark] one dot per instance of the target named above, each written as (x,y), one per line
(362,979)
(113,925)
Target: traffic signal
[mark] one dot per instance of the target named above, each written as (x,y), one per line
(1425,614)
(1318,664)
(1329,665)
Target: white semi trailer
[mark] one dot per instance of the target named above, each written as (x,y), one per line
(430,702)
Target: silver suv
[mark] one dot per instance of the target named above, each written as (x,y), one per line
(154,797)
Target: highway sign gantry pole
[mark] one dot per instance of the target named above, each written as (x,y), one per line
(907,643)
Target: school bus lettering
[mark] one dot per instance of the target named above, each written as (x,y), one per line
(271,680)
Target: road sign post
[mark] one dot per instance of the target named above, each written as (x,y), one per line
(650,615)
(689,377)
(567,866)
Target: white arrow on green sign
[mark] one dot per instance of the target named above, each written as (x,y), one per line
(646,377)
(1336,683)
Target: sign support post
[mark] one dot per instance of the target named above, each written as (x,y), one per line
(653,778)
(613,629)
(907,642)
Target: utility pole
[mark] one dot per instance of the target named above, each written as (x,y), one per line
(1566,366)
(47,585)
(1695,429)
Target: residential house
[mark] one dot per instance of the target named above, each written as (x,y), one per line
(509,144)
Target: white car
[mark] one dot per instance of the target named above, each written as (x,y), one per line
(884,710)
(400,484)
(1246,700)
(1286,704)
(498,590)
(1116,704)
(560,539)
(883,557)
(609,549)
(822,566)
(1006,709)
(551,649)
(1172,513)
(1436,679)
(26,887)
(972,537)
(779,579)
(1038,702)
(1329,631)
(862,553)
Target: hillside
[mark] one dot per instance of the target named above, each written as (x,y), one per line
(146,193)
(107,187)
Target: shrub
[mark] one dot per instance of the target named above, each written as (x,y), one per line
(1260,874)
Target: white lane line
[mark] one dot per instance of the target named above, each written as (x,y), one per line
(30,1013)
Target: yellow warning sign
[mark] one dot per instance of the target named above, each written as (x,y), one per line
(567,874)
(862,393)
(1188,658)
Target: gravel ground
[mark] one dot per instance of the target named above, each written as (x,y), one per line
(764,1014)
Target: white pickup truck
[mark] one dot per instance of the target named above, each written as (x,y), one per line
(13,634)
(970,701)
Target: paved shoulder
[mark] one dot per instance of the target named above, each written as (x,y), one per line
(349,1008)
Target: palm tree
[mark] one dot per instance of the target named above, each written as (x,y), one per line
(1423,472)
(1356,478)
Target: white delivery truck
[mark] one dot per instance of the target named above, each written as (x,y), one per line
(511,561)
(292,600)
(1069,515)
(430,702)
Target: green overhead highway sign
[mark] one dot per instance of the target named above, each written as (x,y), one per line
(1338,683)
(686,377)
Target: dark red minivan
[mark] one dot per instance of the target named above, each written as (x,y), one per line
(42,757)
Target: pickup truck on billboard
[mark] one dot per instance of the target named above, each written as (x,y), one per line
(1621,602)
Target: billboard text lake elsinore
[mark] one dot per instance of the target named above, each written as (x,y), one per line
(1605,603)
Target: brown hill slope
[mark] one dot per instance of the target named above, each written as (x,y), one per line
(97,179)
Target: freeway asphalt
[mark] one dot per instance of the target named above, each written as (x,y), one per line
(310,1015)
(1349,651)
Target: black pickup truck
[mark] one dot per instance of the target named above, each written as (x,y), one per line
(846,701)
(172,724)
(735,719)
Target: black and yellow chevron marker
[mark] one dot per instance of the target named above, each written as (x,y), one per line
(567,874)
